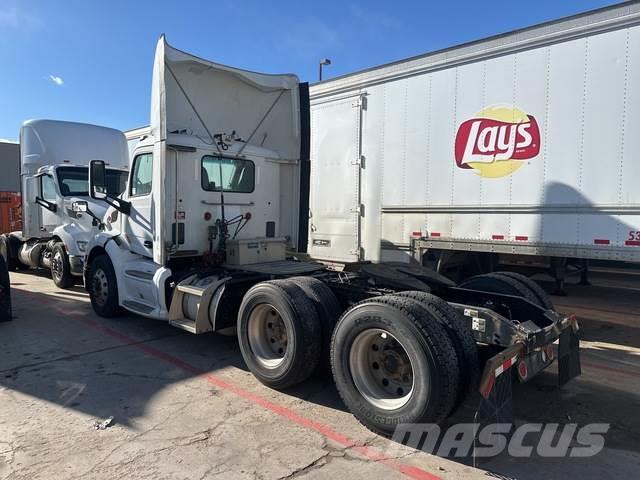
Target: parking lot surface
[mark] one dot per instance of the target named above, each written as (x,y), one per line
(184,406)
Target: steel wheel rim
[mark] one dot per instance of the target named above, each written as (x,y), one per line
(268,336)
(56,265)
(381,369)
(100,287)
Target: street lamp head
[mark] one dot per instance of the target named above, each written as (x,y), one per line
(325,61)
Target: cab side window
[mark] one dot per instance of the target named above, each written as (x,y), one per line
(141,175)
(48,188)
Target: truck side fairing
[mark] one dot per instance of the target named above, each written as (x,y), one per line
(230,112)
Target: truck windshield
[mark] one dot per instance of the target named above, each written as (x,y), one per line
(74,181)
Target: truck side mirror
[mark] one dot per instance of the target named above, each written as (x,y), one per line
(97,180)
(98,187)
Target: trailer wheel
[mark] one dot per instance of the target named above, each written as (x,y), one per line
(5,292)
(493,282)
(102,286)
(392,365)
(328,310)
(544,299)
(461,338)
(279,333)
(60,268)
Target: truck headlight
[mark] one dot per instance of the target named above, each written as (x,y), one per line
(82,245)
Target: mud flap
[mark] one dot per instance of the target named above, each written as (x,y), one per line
(569,354)
(496,405)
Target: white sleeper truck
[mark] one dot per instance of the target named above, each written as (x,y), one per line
(59,217)
(209,234)
(518,149)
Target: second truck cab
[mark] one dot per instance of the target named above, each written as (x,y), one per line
(59,217)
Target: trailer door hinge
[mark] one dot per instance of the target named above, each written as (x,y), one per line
(359,209)
(360,103)
(359,161)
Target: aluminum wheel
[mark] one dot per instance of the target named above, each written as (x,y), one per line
(57,265)
(100,287)
(381,369)
(268,336)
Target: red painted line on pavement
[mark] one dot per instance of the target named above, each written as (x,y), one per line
(371,453)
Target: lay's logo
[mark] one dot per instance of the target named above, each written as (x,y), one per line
(495,142)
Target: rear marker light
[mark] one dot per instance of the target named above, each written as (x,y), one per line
(601,241)
(497,237)
(632,243)
(521,238)
(207,216)
(435,234)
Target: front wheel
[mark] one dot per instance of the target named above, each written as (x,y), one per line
(60,268)
(103,287)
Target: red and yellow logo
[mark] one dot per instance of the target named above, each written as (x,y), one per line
(495,142)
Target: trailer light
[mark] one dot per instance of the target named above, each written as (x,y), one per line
(207,216)
(82,245)
(522,370)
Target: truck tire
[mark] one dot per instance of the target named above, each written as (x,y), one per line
(544,299)
(493,282)
(279,333)
(328,310)
(8,252)
(102,286)
(393,364)
(60,268)
(5,292)
(461,338)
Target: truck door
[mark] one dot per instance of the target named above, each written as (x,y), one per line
(334,197)
(138,225)
(48,220)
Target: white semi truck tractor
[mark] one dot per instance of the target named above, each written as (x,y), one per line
(58,215)
(210,236)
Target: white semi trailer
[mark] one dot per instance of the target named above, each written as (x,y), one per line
(205,238)
(58,215)
(520,146)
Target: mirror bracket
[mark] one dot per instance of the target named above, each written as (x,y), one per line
(52,207)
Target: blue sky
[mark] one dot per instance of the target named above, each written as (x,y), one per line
(90,61)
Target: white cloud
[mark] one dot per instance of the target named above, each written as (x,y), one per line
(57,80)
(6,140)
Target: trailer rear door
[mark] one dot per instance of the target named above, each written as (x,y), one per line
(334,201)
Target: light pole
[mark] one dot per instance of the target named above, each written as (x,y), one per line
(324,61)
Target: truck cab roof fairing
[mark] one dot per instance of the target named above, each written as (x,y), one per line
(201,98)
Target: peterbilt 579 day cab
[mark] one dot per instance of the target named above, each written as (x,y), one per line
(59,217)
(517,149)
(206,236)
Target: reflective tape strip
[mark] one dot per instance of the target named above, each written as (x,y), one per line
(506,365)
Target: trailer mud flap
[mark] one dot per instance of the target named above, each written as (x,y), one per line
(496,405)
(569,354)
